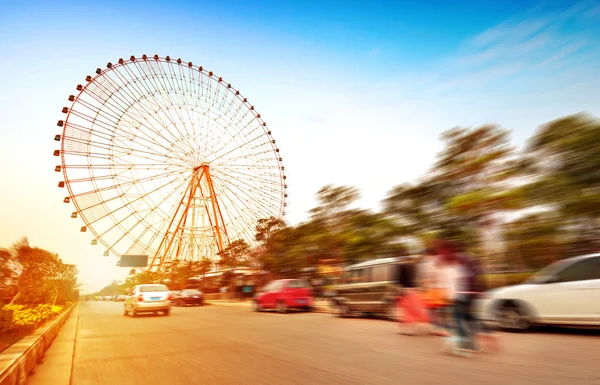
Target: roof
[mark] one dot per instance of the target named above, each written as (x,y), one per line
(582,257)
(374,262)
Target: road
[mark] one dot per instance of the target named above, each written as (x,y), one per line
(229,345)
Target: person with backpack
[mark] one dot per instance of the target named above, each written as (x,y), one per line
(475,289)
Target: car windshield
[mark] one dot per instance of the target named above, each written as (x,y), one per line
(191,291)
(549,271)
(146,289)
(298,284)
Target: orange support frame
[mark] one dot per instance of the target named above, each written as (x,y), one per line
(215,217)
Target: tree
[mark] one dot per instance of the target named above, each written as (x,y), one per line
(463,191)
(534,241)
(564,162)
(7,275)
(234,256)
(415,208)
(266,233)
(333,201)
(204,266)
(41,277)
(266,227)
(66,281)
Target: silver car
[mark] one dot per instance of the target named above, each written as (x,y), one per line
(151,298)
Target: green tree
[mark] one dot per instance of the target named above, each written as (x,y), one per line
(534,241)
(234,256)
(7,275)
(563,159)
(267,230)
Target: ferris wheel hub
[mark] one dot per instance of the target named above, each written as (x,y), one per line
(203,165)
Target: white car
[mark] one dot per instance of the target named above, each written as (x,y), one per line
(565,293)
(151,298)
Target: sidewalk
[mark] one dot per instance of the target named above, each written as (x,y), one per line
(321,306)
(58,360)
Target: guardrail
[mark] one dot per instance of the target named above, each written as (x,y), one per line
(19,361)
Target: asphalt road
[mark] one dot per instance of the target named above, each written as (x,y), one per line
(229,345)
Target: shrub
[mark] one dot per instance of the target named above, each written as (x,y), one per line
(19,317)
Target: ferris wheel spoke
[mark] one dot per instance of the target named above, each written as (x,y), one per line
(244,192)
(157,106)
(161,77)
(240,157)
(121,185)
(136,200)
(241,129)
(253,181)
(217,156)
(141,220)
(129,135)
(232,220)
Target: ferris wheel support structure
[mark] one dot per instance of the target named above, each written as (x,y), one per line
(201,199)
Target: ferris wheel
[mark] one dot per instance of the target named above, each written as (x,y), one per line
(163,158)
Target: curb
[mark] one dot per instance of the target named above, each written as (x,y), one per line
(246,304)
(20,360)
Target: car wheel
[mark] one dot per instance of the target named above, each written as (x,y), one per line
(342,310)
(167,312)
(133,312)
(282,307)
(513,318)
(125,312)
(256,306)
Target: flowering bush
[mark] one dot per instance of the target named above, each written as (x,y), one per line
(15,317)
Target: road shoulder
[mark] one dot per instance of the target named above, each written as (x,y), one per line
(58,360)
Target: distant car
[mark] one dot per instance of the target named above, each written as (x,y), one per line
(190,297)
(121,298)
(283,295)
(175,294)
(150,298)
(565,293)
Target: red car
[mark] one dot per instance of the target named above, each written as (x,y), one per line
(284,294)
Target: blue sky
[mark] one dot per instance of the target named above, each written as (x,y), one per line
(356,93)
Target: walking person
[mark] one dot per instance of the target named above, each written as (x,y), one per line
(415,317)
(475,290)
(454,277)
(433,294)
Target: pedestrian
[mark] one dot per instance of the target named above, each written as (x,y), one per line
(433,294)
(475,290)
(415,317)
(454,282)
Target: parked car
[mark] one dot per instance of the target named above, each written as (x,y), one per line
(369,287)
(121,298)
(284,294)
(565,293)
(190,297)
(150,298)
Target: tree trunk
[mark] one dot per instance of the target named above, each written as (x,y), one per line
(14,298)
